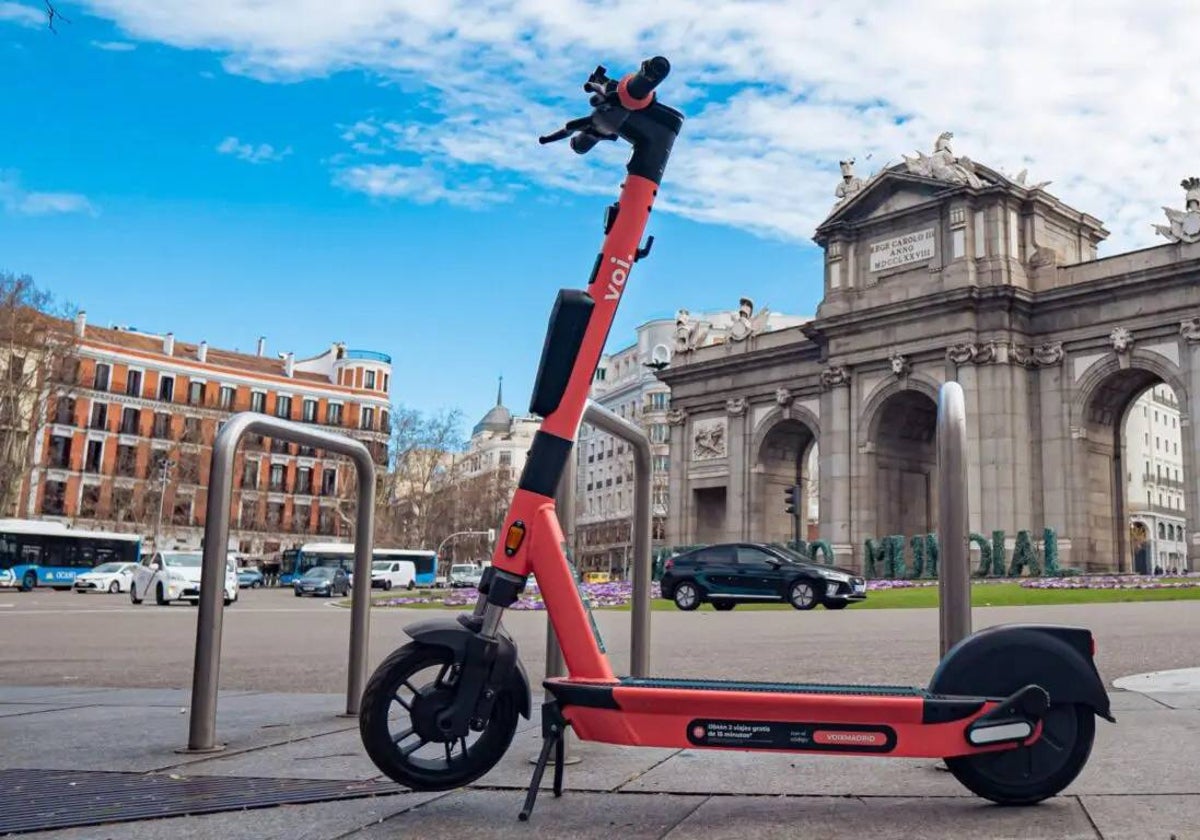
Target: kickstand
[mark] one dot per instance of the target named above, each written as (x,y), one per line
(553,737)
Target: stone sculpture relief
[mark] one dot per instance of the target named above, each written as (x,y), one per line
(708,440)
(834,376)
(850,185)
(1190,329)
(1185,224)
(736,406)
(1122,339)
(943,164)
(900,365)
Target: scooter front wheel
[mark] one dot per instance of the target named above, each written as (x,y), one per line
(397,722)
(1027,775)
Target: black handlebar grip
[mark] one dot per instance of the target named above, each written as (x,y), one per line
(582,143)
(648,77)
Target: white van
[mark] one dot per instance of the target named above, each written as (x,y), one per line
(389,574)
(175,576)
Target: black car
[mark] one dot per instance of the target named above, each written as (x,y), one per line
(323,580)
(731,573)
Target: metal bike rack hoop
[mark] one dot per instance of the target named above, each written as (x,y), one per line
(617,426)
(203,722)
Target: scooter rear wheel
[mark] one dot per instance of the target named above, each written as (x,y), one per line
(1027,775)
(397,722)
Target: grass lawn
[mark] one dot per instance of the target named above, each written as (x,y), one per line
(984,595)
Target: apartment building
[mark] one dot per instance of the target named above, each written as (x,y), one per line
(1155,480)
(127,444)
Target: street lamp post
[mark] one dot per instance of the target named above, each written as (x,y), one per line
(490,533)
(165,465)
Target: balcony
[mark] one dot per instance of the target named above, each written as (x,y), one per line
(368,356)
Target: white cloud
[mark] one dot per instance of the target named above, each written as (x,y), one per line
(21,14)
(262,153)
(1099,97)
(18,201)
(422,184)
(114,46)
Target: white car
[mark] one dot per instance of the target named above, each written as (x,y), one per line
(175,576)
(465,575)
(107,577)
(386,574)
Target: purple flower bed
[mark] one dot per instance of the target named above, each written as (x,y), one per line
(1184,581)
(616,594)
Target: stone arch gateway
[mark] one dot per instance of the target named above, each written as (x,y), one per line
(931,276)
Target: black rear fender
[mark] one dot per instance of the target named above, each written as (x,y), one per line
(450,634)
(997,661)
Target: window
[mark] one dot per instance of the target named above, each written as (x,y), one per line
(283,406)
(751,557)
(162,425)
(326,524)
(16,368)
(182,512)
(383,421)
(370,383)
(1162,531)
(258,402)
(127,461)
(196,393)
(93,456)
(310,411)
(278,473)
(64,412)
(103,373)
(250,474)
(329,481)
(133,383)
(660,401)
(192,430)
(89,502)
(129,421)
(662,463)
(385,381)
(275,514)
(304,481)
(368,418)
(226,397)
(166,388)
(333,414)
(248,515)
(280,446)
(660,433)
(60,451)
(99,416)
(301,515)
(506,458)
(54,499)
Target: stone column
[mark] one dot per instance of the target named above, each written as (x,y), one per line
(679,501)
(959,368)
(1054,468)
(1189,416)
(739,470)
(835,459)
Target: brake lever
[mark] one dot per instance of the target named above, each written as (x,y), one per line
(567,130)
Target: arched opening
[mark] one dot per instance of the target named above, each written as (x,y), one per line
(905,459)
(786,457)
(1136,465)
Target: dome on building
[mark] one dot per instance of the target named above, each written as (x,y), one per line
(498,419)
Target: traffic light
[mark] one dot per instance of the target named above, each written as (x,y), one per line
(792,494)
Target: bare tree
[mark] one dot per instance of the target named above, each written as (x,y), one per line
(38,363)
(422,452)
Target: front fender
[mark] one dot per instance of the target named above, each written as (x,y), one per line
(997,661)
(450,634)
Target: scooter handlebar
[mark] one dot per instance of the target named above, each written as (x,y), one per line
(638,86)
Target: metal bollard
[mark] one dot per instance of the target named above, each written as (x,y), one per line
(954,579)
(202,726)
(635,436)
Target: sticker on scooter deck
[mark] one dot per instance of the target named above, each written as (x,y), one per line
(792,737)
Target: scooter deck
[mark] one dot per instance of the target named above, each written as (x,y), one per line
(794,717)
(775,688)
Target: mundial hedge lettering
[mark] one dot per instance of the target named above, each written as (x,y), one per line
(885,558)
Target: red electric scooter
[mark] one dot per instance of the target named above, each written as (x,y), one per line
(1011,709)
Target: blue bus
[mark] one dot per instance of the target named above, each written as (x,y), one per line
(43,553)
(296,561)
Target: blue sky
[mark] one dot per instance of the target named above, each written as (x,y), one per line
(368,171)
